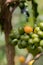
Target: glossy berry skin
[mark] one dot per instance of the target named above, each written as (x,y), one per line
(28,29)
(41,43)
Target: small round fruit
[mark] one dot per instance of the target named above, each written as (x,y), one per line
(12,36)
(22,59)
(30,41)
(40,33)
(36,29)
(17,35)
(28,29)
(41,43)
(22,37)
(34,35)
(25,37)
(21,30)
(24,44)
(19,44)
(36,40)
(41,25)
(30,34)
(14,42)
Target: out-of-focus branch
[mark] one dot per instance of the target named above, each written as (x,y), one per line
(6,16)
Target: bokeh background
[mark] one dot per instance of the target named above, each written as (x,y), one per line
(18,17)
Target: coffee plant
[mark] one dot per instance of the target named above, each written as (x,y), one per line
(26,36)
